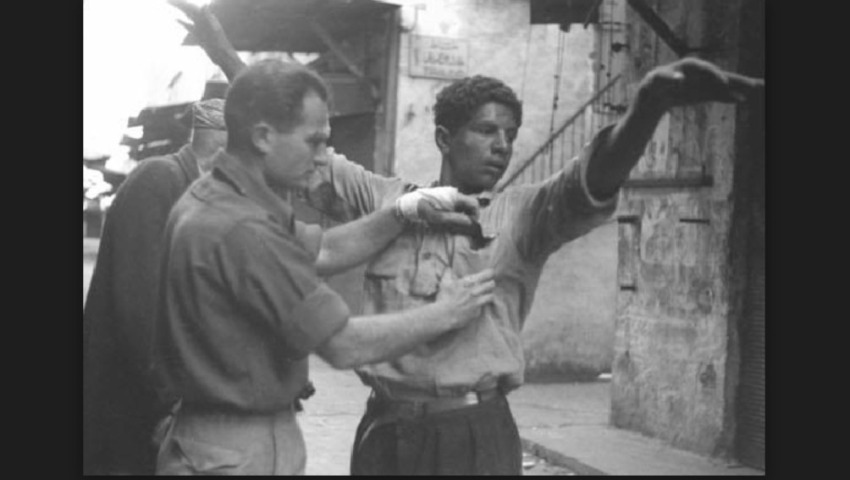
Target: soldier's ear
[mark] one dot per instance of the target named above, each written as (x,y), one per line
(261,134)
(443,139)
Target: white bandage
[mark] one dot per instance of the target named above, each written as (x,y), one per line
(440,198)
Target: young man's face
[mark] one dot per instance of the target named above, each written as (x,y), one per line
(291,156)
(480,150)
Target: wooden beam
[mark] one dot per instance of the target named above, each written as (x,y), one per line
(385,131)
(681,182)
(336,50)
(660,27)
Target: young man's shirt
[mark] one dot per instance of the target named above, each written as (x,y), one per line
(530,222)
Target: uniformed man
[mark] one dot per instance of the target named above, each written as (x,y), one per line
(241,302)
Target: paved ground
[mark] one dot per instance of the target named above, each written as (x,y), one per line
(330,418)
(567,423)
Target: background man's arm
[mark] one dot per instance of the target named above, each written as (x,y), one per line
(210,36)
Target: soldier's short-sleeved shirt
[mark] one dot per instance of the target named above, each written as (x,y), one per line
(530,222)
(241,304)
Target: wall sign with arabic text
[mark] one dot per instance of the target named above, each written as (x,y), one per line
(438,57)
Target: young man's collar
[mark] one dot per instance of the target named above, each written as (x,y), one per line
(484,197)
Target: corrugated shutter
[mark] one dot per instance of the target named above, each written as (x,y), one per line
(751,394)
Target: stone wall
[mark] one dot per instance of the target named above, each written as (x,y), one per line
(675,362)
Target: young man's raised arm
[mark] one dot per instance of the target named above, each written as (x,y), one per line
(685,82)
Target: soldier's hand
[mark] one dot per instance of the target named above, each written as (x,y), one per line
(466,296)
(691,80)
(440,207)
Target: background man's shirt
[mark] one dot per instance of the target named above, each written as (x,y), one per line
(119,406)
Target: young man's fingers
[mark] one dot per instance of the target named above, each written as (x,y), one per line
(485,299)
(672,75)
(668,76)
(744,81)
(693,80)
(728,89)
(482,276)
(484,287)
(668,83)
(705,84)
(693,65)
(744,86)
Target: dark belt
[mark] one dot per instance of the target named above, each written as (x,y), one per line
(203,409)
(405,408)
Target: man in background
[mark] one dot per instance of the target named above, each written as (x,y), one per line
(119,408)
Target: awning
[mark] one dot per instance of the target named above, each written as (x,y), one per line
(564,12)
(285,25)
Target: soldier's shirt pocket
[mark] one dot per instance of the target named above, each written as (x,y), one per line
(384,288)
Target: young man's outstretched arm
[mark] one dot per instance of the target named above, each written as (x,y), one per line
(685,82)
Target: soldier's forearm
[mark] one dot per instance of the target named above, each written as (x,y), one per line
(378,338)
(353,243)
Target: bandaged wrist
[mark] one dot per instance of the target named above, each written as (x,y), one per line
(440,198)
(407,208)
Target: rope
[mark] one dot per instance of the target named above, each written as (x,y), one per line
(525,64)
(559,64)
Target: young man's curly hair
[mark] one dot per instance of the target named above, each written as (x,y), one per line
(457,102)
